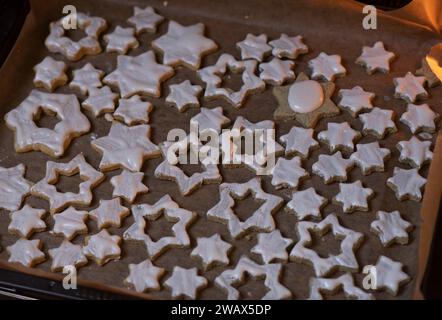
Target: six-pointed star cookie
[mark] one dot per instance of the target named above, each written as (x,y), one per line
(13,187)
(50,74)
(139,75)
(128,185)
(353,196)
(306,203)
(100,100)
(26,252)
(339,136)
(185,282)
(86,78)
(390,275)
(332,167)
(145,20)
(212,251)
(288,47)
(355,100)
(70,223)
(133,111)
(305,101)
(125,147)
(415,152)
(407,184)
(378,122)
(419,118)
(410,88)
(67,254)
(254,47)
(109,213)
(184,95)
(272,246)
(144,276)
(375,58)
(287,173)
(277,71)
(26,221)
(370,157)
(209,120)
(326,67)
(299,141)
(344,283)
(391,228)
(426,70)
(121,40)
(102,247)
(184,45)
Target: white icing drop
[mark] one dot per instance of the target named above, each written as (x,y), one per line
(305,96)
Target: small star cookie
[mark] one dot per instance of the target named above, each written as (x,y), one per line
(415,152)
(109,213)
(13,187)
(378,122)
(375,58)
(355,100)
(427,72)
(339,136)
(128,185)
(144,276)
(209,120)
(410,88)
(288,173)
(26,221)
(419,118)
(288,47)
(26,252)
(121,40)
(184,95)
(254,47)
(353,196)
(145,20)
(185,282)
(326,67)
(370,157)
(332,167)
(299,141)
(391,228)
(272,246)
(50,74)
(86,78)
(102,247)
(212,251)
(133,111)
(306,203)
(100,100)
(407,184)
(277,71)
(70,223)
(390,275)
(67,254)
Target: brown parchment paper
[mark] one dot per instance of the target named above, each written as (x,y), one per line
(331,26)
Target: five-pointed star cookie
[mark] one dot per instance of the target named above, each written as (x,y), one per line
(355,100)
(370,157)
(184,45)
(145,20)
(13,187)
(299,141)
(70,223)
(102,247)
(326,67)
(85,78)
(128,185)
(185,282)
(375,58)
(391,228)
(345,260)
(288,173)
(331,285)
(410,88)
(184,95)
(144,276)
(139,75)
(407,184)
(26,252)
(332,167)
(378,122)
(67,254)
(50,74)
(272,246)
(339,136)
(390,275)
(209,120)
(100,100)
(277,71)
(254,47)
(109,213)
(133,111)
(419,118)
(121,40)
(26,221)
(415,152)
(305,100)
(306,203)
(125,147)
(353,196)
(212,251)
(288,47)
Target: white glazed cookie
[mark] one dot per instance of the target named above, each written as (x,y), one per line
(339,136)
(121,40)
(426,71)
(212,251)
(260,220)
(375,58)
(173,213)
(370,157)
(144,276)
(355,100)
(184,45)
(326,67)
(13,187)
(184,95)
(70,223)
(415,152)
(109,213)
(390,275)
(299,141)
(50,74)
(272,246)
(133,111)
(212,76)
(26,221)
(47,189)
(100,100)
(102,247)
(407,184)
(185,282)
(26,252)
(410,88)
(28,136)
(378,122)
(420,118)
(128,185)
(391,228)
(345,260)
(288,173)
(125,147)
(288,47)
(254,47)
(318,286)
(67,254)
(306,203)
(228,278)
(139,75)
(86,78)
(332,167)
(145,20)
(209,120)
(74,50)
(277,71)
(353,196)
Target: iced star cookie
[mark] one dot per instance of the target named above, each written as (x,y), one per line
(184,45)
(26,252)
(288,173)
(299,141)
(50,74)
(185,282)
(370,157)
(339,136)
(391,228)
(209,120)
(306,204)
(288,47)
(378,122)
(426,71)
(254,47)
(67,254)
(70,223)
(144,276)
(353,197)
(29,136)
(102,247)
(332,167)
(390,275)
(272,246)
(212,251)
(326,67)
(121,40)
(13,187)
(305,100)
(375,58)
(145,20)
(332,285)
(100,101)
(86,78)
(128,185)
(277,71)
(407,184)
(415,152)
(27,221)
(410,88)
(109,213)
(420,118)
(355,100)
(184,95)
(133,111)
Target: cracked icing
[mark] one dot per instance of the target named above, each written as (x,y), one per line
(332,167)
(67,254)
(339,136)
(145,20)
(185,282)
(299,141)
(415,152)
(70,223)
(288,47)
(26,252)
(391,228)
(355,100)
(326,67)
(86,78)
(288,173)
(13,187)
(376,58)
(410,88)
(26,221)
(109,213)
(144,276)
(306,204)
(254,47)
(419,118)
(370,157)
(50,74)
(128,185)
(272,246)
(378,122)
(353,196)
(184,95)
(407,184)
(212,251)
(102,247)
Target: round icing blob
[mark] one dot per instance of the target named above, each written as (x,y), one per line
(305,96)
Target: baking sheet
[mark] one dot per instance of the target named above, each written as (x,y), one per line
(325,26)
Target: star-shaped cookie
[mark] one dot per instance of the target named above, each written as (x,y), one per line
(415,152)
(26,221)
(185,282)
(109,213)
(391,228)
(102,247)
(212,251)
(370,157)
(121,40)
(145,20)
(85,78)
(339,136)
(128,185)
(50,74)
(70,223)
(426,71)
(355,100)
(375,58)
(331,285)
(326,67)
(272,246)
(100,100)
(184,95)
(407,184)
(332,167)
(378,122)
(133,111)
(144,276)
(419,118)
(67,254)
(299,141)
(390,275)
(13,187)
(410,88)
(288,47)
(288,173)
(26,252)
(353,196)
(306,203)
(209,120)
(277,71)
(254,47)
